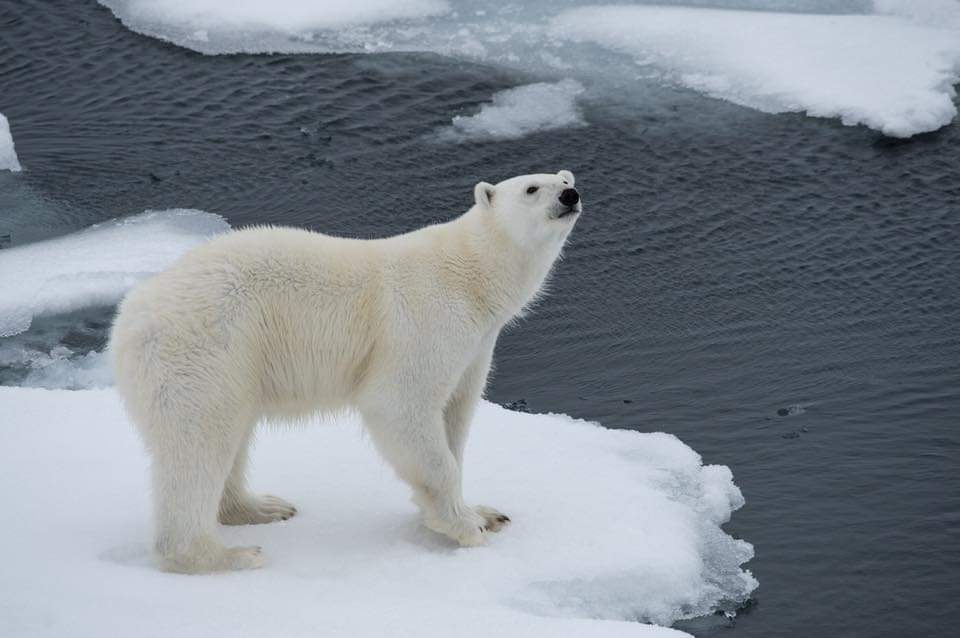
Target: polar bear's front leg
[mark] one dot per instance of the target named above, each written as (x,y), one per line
(457,416)
(415,443)
(458,413)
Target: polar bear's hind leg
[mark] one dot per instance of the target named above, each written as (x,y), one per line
(239,506)
(189,473)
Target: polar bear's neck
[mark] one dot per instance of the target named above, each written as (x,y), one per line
(487,265)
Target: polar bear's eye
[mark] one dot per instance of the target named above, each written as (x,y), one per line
(532,190)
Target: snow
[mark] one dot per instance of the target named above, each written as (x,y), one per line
(607,526)
(96,266)
(8,154)
(888,73)
(520,111)
(892,68)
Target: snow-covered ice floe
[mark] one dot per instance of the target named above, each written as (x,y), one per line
(8,154)
(95,266)
(891,69)
(257,26)
(885,72)
(520,111)
(607,526)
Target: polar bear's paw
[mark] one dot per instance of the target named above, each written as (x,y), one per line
(471,527)
(214,560)
(254,510)
(495,520)
(242,558)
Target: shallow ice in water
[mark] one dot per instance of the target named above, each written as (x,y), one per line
(607,526)
(60,368)
(8,153)
(890,67)
(519,111)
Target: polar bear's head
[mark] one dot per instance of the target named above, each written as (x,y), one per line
(532,209)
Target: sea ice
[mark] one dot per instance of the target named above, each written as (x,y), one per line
(95,266)
(892,69)
(891,74)
(520,111)
(607,526)
(8,154)
(262,25)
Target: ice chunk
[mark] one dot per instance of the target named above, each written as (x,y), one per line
(260,25)
(8,154)
(521,110)
(888,73)
(607,526)
(281,15)
(96,266)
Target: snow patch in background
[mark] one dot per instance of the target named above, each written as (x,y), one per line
(520,111)
(891,67)
(95,266)
(8,154)
(891,75)
(613,525)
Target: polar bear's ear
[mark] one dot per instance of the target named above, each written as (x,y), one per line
(567,176)
(483,193)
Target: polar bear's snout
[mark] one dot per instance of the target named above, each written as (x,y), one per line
(569,197)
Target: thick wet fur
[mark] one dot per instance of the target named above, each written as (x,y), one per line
(279,323)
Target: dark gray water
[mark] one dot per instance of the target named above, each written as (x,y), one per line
(780,292)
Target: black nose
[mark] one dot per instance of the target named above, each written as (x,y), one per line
(569,197)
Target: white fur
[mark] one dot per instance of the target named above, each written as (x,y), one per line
(279,323)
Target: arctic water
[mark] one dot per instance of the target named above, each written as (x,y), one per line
(779,291)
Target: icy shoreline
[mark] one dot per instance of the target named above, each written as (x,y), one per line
(608,526)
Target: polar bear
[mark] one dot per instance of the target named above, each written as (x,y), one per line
(281,323)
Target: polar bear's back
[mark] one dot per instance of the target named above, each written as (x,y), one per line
(255,269)
(278,316)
